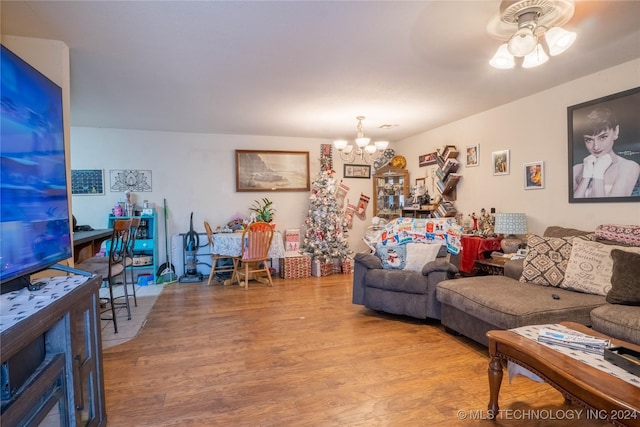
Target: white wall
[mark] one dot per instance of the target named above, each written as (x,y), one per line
(533,129)
(195,173)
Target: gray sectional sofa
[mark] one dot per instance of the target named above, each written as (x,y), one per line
(474,305)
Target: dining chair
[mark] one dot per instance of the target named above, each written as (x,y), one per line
(256,241)
(215,258)
(112,266)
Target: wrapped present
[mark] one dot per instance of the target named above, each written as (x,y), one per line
(336,267)
(347,266)
(295,267)
(292,241)
(319,268)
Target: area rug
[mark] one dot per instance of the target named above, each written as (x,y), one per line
(129,329)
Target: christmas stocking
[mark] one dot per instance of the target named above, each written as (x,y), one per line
(351,209)
(341,192)
(361,212)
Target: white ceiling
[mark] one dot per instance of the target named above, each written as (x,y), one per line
(302,68)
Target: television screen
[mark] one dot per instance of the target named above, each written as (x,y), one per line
(34,215)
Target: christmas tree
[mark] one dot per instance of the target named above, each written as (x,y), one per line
(326,225)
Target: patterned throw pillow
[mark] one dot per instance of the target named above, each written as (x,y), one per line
(627,234)
(546,260)
(590,267)
(393,258)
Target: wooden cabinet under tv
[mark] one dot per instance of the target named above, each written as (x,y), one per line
(52,358)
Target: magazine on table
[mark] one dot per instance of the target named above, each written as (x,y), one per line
(574,341)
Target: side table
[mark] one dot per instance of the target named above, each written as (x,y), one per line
(489,266)
(475,248)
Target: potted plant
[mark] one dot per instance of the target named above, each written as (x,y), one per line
(263,209)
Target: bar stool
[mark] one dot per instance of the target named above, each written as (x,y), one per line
(113,265)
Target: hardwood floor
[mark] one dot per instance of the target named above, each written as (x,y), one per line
(301,354)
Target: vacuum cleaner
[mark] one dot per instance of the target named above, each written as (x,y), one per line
(191,242)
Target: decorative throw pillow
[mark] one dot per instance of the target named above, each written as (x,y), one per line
(418,254)
(625,280)
(627,234)
(393,258)
(546,260)
(590,267)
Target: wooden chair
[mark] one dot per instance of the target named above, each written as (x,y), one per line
(256,241)
(113,265)
(215,268)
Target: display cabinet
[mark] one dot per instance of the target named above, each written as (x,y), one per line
(145,251)
(391,191)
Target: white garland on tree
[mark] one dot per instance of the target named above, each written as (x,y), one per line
(326,224)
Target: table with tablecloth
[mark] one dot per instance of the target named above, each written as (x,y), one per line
(230,244)
(475,247)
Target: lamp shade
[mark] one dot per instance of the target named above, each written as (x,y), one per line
(511,223)
(502,59)
(535,58)
(558,39)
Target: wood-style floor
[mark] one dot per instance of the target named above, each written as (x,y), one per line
(301,354)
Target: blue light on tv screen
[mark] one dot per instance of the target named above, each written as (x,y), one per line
(34,215)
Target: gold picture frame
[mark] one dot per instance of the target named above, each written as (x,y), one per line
(271,170)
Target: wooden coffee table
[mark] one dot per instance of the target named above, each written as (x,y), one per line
(614,399)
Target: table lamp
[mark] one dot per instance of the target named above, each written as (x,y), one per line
(511,225)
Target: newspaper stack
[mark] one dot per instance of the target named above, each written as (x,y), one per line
(573,341)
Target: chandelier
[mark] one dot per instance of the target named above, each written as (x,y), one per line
(363,151)
(537,35)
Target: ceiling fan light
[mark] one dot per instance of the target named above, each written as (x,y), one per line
(362,142)
(535,58)
(381,145)
(558,39)
(340,144)
(522,42)
(502,58)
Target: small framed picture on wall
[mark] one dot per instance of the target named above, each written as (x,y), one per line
(500,161)
(472,155)
(534,175)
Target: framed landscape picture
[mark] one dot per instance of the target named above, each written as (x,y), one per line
(266,170)
(534,175)
(604,149)
(500,162)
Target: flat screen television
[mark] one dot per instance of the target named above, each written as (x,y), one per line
(34,211)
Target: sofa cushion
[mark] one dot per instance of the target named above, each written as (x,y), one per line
(558,231)
(617,321)
(503,302)
(397,281)
(418,254)
(625,279)
(546,260)
(626,234)
(590,267)
(393,258)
